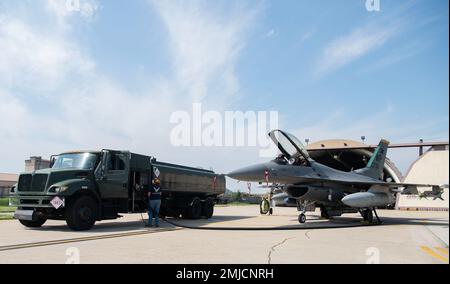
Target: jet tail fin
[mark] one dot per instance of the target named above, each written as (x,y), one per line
(375,166)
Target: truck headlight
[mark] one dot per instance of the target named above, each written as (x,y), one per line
(13,202)
(58,189)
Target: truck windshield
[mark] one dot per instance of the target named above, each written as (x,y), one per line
(84,161)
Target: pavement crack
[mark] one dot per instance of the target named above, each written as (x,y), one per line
(272,249)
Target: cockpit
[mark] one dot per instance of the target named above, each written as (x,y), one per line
(298,161)
(293,152)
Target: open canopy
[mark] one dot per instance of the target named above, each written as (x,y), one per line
(289,145)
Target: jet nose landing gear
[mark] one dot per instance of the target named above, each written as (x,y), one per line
(302,206)
(302,218)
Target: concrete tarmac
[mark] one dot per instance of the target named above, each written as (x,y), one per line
(405,237)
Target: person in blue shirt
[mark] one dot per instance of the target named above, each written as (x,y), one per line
(154,202)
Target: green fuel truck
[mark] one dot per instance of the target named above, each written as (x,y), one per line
(83,187)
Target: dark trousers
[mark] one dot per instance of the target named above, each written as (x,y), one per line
(153,211)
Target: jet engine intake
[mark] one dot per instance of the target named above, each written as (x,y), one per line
(314,193)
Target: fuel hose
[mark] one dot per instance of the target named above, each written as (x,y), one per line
(282,228)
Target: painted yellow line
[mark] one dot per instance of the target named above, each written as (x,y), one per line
(442,250)
(84,239)
(432,253)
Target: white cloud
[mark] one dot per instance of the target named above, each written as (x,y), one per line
(353,46)
(87,9)
(204,44)
(398,55)
(270,33)
(392,59)
(12,113)
(30,59)
(308,34)
(88,110)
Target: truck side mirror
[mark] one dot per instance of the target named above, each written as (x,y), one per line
(104,161)
(52,161)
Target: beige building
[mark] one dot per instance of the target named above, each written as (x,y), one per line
(430,168)
(6,182)
(36,163)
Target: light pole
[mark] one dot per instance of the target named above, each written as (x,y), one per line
(421,148)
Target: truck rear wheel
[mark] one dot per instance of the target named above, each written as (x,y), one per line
(81,213)
(208,208)
(194,211)
(33,224)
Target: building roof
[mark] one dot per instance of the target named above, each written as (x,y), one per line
(336,144)
(8,177)
(341,144)
(356,147)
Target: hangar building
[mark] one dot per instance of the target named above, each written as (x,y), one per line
(334,153)
(433,168)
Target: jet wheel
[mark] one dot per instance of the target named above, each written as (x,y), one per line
(302,218)
(367,215)
(264,207)
(324,213)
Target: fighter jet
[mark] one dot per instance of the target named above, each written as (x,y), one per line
(334,192)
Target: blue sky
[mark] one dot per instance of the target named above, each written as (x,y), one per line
(108,74)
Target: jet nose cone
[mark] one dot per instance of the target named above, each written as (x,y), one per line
(254,173)
(237,174)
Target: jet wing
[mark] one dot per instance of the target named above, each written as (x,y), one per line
(404,188)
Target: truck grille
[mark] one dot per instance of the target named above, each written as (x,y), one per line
(24,183)
(32,183)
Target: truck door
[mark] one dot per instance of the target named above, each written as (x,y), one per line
(113,182)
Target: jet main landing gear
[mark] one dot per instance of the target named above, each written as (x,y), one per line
(324,213)
(368,216)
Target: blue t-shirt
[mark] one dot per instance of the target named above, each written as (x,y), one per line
(155,192)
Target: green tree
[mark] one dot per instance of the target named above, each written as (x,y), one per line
(238,196)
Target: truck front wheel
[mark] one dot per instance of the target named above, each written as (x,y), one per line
(33,224)
(81,213)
